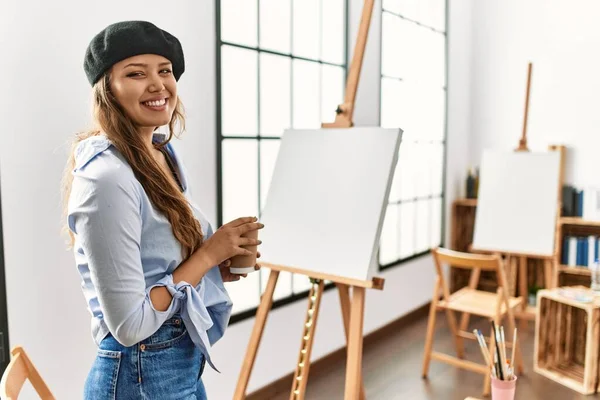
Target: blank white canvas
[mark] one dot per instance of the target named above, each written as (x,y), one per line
(327,199)
(518,200)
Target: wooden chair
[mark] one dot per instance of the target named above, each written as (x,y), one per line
(17,372)
(469,300)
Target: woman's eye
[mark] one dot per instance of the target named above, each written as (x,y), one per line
(165,71)
(134,74)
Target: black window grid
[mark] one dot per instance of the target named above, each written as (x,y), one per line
(442,195)
(249,313)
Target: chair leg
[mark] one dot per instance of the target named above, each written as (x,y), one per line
(457,339)
(487,385)
(464,325)
(430,329)
(429,340)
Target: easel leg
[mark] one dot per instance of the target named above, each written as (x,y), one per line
(549,273)
(523,291)
(513,268)
(308,333)
(259,325)
(344,292)
(355,343)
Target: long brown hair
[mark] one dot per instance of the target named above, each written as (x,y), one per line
(112,121)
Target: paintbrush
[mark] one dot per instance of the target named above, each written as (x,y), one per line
(514,349)
(503,352)
(498,355)
(484,350)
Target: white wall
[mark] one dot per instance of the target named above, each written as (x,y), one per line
(562,39)
(46,100)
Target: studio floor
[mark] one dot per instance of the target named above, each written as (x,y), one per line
(392,370)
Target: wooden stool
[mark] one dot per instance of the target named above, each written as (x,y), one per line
(469,301)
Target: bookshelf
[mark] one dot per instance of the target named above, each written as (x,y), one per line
(573,226)
(577,221)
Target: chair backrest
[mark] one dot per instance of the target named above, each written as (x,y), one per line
(17,372)
(467,260)
(476,262)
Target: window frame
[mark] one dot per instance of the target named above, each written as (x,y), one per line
(4,342)
(250,313)
(444,141)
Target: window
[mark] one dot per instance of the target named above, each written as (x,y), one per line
(280,64)
(413,97)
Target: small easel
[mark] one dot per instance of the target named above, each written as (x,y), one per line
(517,263)
(352,306)
(549,273)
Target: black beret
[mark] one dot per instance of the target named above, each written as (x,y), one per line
(126,39)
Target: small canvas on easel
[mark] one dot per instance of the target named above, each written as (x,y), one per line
(327,199)
(517,202)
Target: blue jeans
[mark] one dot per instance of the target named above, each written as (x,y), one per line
(167,365)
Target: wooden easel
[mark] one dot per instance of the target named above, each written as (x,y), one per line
(516,262)
(528,313)
(352,305)
(523,142)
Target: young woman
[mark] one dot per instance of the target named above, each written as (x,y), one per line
(152,269)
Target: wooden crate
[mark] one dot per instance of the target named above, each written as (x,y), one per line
(567,340)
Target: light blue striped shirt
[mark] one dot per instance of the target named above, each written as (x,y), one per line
(124,247)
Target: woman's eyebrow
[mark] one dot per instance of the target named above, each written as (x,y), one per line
(145,65)
(136,65)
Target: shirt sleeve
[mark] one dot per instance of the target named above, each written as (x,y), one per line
(216,298)
(220,309)
(105,214)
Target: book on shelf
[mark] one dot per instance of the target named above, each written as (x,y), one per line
(580,251)
(583,203)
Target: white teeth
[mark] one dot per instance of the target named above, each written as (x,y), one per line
(157,103)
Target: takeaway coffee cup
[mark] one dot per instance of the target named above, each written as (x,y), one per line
(245,264)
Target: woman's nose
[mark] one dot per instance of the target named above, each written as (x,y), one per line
(155,84)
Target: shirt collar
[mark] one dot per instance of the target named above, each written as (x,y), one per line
(89,148)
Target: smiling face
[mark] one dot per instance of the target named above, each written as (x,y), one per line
(145,87)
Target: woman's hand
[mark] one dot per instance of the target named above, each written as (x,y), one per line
(227,241)
(226,272)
